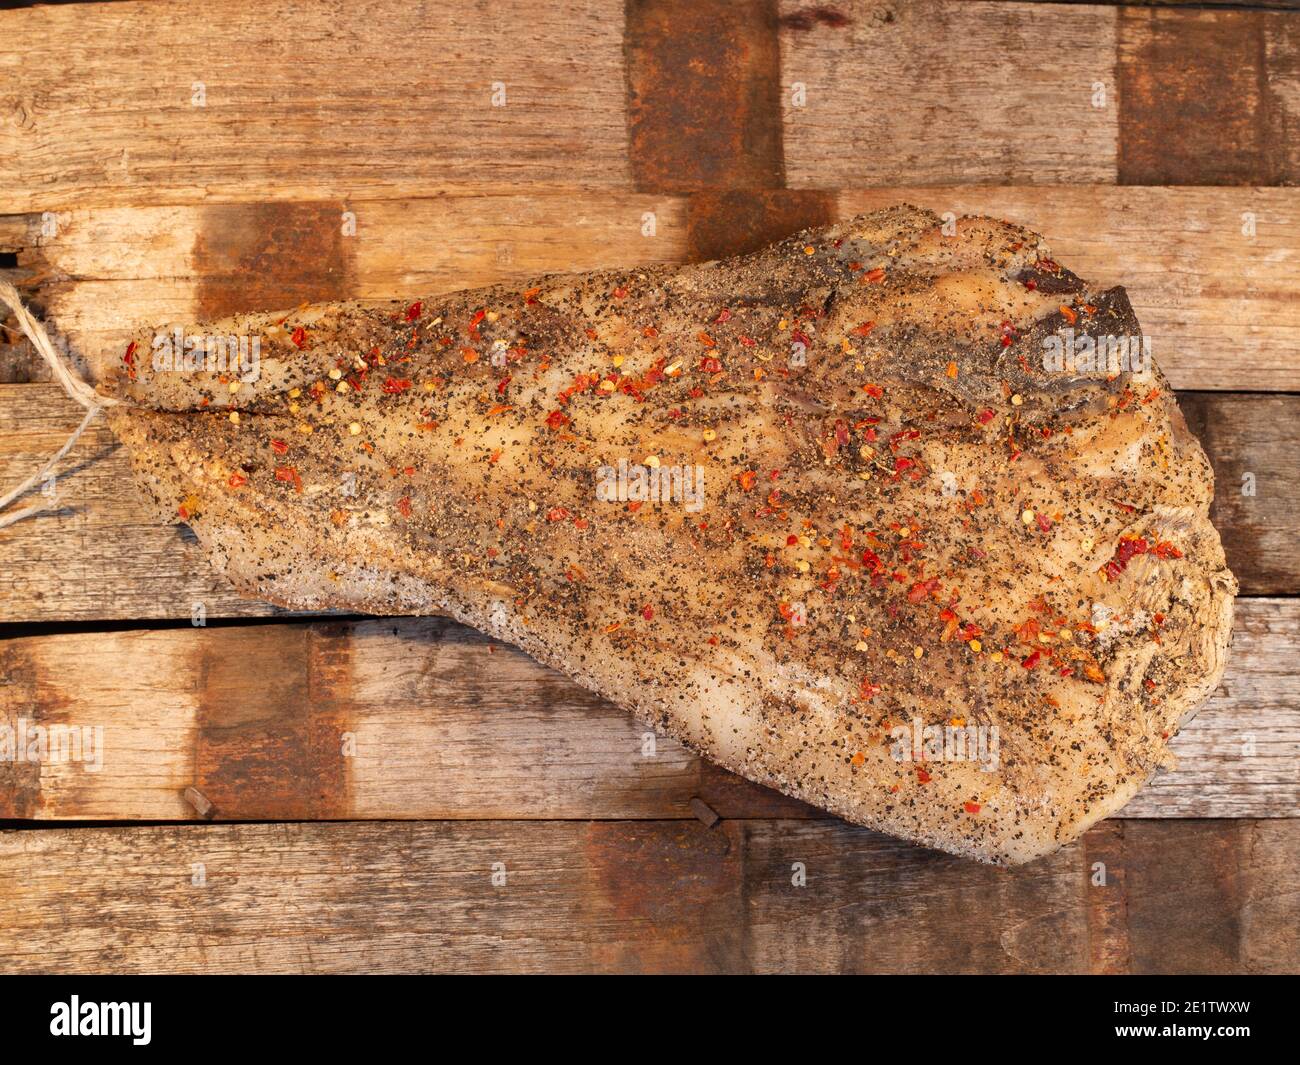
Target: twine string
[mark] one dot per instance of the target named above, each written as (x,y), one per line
(73,384)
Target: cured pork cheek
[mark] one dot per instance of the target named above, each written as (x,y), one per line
(910,520)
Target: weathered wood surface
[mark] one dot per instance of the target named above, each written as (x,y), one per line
(422,718)
(99,554)
(1218,304)
(1216,896)
(615,96)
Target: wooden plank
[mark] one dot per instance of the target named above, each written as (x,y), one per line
(356,97)
(931,91)
(106,273)
(1254,444)
(422,718)
(638,897)
(100,554)
(651,94)
(1202,289)
(703,94)
(1193,82)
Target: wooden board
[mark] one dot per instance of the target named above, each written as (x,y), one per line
(655,94)
(641,897)
(423,718)
(100,554)
(126,200)
(1219,305)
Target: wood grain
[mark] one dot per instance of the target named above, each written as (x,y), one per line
(703,94)
(101,554)
(608,95)
(306,102)
(1218,305)
(638,897)
(935,93)
(1208,96)
(423,718)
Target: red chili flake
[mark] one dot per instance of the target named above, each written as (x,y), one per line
(863,330)
(413,311)
(299,338)
(1044,522)
(530,296)
(1032,660)
(1128,547)
(395,385)
(747,480)
(749,342)
(923,776)
(870,558)
(581,524)
(971,807)
(867,690)
(279,447)
(129,359)
(404,506)
(557,419)
(556,514)
(237,480)
(791,540)
(874,391)
(878,274)
(648,613)
(986,416)
(710,365)
(724,316)
(501,385)
(620,292)
(921,590)
(901,464)
(289,474)
(1031,284)
(1164,549)
(650,332)
(1068,314)
(1048,265)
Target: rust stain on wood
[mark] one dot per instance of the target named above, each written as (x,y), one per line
(1106,899)
(1186,887)
(272,724)
(823,15)
(680,880)
(1196,105)
(267,256)
(704,94)
(21,696)
(734,222)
